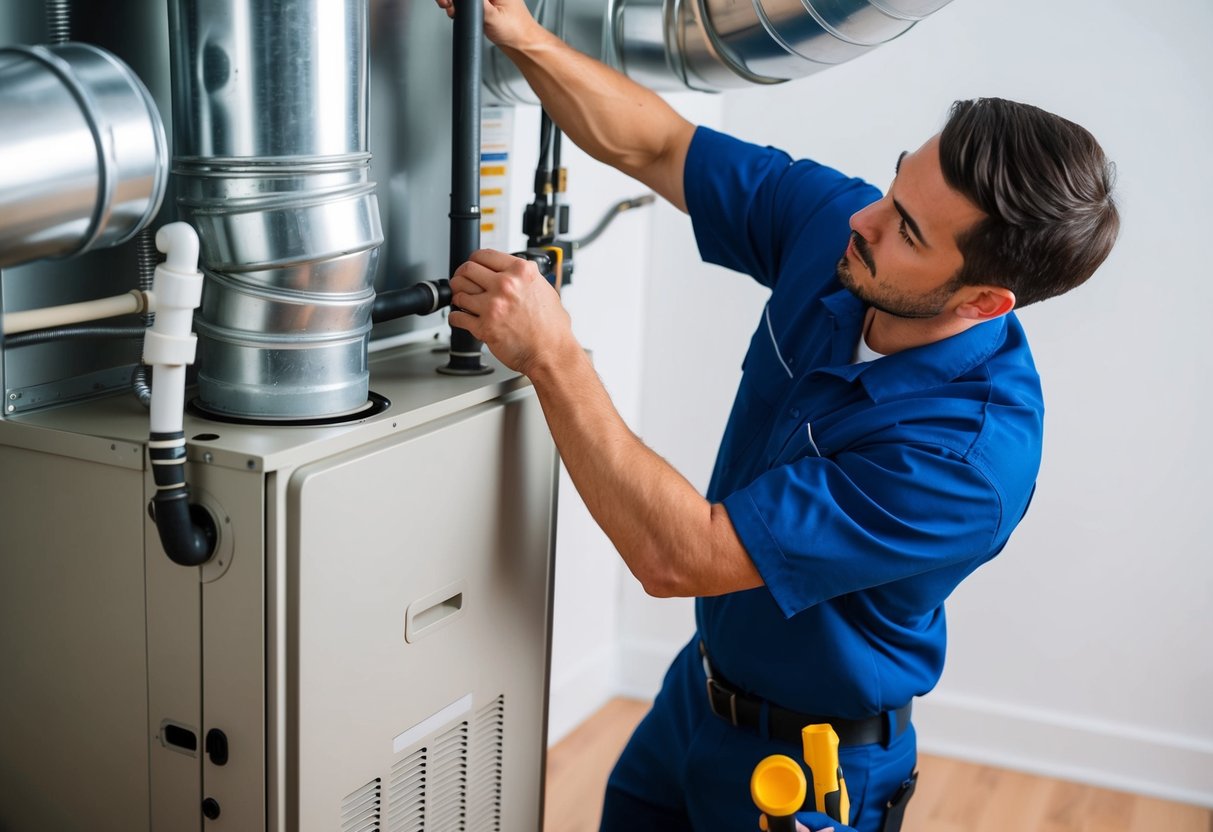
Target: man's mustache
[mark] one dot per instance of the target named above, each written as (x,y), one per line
(865,254)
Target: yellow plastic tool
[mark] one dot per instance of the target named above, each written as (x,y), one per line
(778,787)
(557,254)
(829,787)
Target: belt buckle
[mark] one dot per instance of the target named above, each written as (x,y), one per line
(712,685)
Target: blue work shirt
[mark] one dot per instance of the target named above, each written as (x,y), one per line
(864,493)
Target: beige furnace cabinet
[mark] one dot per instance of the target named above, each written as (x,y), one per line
(367,650)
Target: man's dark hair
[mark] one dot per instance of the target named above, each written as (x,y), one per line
(1046,188)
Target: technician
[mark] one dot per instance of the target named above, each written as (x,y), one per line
(885,438)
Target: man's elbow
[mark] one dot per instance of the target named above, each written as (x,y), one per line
(662,583)
(660,579)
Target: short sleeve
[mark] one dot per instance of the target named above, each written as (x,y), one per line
(750,204)
(819,528)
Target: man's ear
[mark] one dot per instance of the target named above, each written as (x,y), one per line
(983,303)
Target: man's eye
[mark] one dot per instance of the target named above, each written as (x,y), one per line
(905,235)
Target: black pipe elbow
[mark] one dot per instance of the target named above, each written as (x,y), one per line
(187,532)
(418,299)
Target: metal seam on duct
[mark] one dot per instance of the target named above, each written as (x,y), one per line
(721,51)
(881,6)
(826,27)
(775,35)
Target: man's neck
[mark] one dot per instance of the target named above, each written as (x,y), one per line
(887,334)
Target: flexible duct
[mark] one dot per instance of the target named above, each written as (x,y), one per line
(85,158)
(147,258)
(270,113)
(715,45)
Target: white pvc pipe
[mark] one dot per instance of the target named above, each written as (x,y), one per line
(169,345)
(167,409)
(132,303)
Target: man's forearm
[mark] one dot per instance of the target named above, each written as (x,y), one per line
(608,115)
(672,539)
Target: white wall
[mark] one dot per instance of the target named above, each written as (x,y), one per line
(605,300)
(1086,649)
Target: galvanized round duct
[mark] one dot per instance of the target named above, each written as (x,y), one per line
(715,45)
(270,115)
(718,44)
(85,158)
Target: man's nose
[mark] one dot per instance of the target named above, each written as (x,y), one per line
(864,223)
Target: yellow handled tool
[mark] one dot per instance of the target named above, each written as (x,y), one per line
(778,787)
(829,787)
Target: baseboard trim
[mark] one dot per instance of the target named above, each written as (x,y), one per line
(1038,741)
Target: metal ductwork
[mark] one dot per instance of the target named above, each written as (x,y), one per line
(716,45)
(270,115)
(85,158)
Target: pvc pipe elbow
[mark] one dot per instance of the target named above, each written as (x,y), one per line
(179,242)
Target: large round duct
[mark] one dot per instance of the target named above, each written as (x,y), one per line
(715,45)
(270,113)
(85,158)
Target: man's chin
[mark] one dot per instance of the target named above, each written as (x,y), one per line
(847,278)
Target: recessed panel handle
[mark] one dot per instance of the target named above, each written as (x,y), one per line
(436,610)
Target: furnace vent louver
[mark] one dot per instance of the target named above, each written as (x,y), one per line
(448,783)
(484,768)
(406,794)
(454,784)
(360,809)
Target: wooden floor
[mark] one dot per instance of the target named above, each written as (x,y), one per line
(952,796)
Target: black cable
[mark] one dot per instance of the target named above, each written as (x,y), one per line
(67,333)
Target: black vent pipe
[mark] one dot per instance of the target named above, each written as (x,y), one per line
(418,299)
(465,169)
(187,531)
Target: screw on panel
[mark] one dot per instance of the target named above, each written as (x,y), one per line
(252,463)
(208,457)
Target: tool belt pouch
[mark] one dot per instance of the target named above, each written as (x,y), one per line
(895,812)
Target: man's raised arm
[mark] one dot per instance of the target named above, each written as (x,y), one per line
(608,115)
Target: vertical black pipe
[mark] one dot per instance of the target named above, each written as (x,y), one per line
(465,168)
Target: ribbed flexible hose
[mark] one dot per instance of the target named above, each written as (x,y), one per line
(58,21)
(147,260)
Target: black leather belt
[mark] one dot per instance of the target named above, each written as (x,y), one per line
(744,711)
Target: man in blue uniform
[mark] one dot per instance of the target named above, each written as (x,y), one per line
(885,438)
